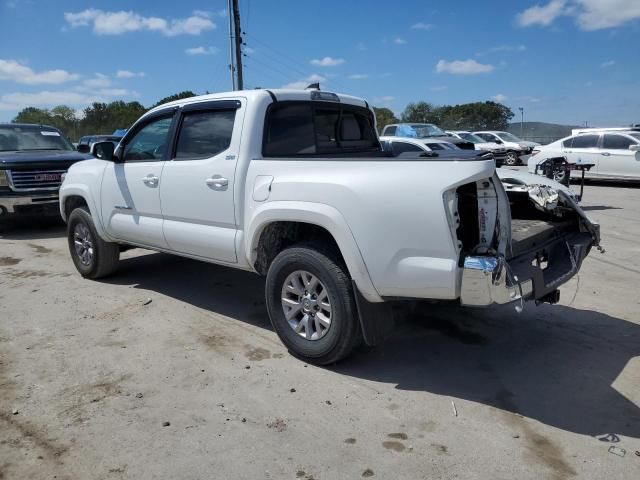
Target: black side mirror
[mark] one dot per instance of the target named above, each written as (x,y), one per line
(83,148)
(103,150)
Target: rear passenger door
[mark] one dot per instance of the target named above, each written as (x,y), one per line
(198,181)
(616,160)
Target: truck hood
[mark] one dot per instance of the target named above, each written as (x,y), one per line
(55,159)
(27,158)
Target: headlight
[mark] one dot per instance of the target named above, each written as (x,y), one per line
(4,181)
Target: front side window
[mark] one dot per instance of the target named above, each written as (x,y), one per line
(205,134)
(617,142)
(585,141)
(487,137)
(294,129)
(150,142)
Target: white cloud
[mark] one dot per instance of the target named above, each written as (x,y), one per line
(327,62)
(500,98)
(98,81)
(502,49)
(16,72)
(399,41)
(201,51)
(608,63)
(19,100)
(541,15)
(422,26)
(386,99)
(463,67)
(589,14)
(358,76)
(304,83)
(117,23)
(128,74)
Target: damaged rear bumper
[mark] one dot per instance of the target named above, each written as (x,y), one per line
(488,280)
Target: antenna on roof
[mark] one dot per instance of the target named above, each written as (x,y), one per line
(313,86)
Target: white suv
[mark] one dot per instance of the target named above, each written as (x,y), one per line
(518,150)
(614,154)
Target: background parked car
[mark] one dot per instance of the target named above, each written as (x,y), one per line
(86,143)
(518,150)
(499,152)
(33,159)
(510,178)
(616,155)
(424,130)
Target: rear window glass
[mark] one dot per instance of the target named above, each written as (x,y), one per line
(617,142)
(299,129)
(204,134)
(585,141)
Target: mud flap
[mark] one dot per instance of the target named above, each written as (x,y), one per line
(376,319)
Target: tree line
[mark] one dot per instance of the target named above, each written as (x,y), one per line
(98,118)
(467,116)
(105,118)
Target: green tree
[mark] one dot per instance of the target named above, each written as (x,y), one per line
(475,116)
(33,115)
(384,116)
(420,112)
(177,96)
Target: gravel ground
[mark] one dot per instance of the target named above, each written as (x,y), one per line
(170,370)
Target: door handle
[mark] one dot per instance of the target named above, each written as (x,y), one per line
(606,154)
(217,182)
(150,180)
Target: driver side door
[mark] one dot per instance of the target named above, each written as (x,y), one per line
(130,197)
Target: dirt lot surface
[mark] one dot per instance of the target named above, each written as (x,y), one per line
(170,370)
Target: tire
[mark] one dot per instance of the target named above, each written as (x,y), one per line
(343,334)
(511,159)
(561,177)
(102,258)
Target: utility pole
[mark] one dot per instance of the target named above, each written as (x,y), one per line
(238,45)
(521,121)
(232,68)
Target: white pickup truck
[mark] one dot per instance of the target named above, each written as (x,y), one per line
(293,185)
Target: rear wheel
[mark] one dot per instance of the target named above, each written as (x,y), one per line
(310,302)
(92,256)
(511,158)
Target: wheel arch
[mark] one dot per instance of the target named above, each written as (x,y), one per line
(78,195)
(275,224)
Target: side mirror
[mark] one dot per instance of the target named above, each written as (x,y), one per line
(634,148)
(83,148)
(103,150)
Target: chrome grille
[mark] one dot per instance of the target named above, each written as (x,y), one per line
(30,180)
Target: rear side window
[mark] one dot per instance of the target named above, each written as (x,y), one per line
(585,141)
(298,129)
(567,142)
(204,134)
(617,142)
(390,130)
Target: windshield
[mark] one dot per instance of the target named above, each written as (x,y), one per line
(420,130)
(29,138)
(509,137)
(470,137)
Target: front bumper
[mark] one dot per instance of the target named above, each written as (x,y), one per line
(488,280)
(26,204)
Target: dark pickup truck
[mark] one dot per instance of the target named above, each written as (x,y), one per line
(32,161)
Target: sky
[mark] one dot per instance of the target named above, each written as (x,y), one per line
(562,61)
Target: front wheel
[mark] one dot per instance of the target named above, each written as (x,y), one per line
(511,158)
(93,257)
(310,302)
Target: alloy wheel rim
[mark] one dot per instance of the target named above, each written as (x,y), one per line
(83,244)
(306,305)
